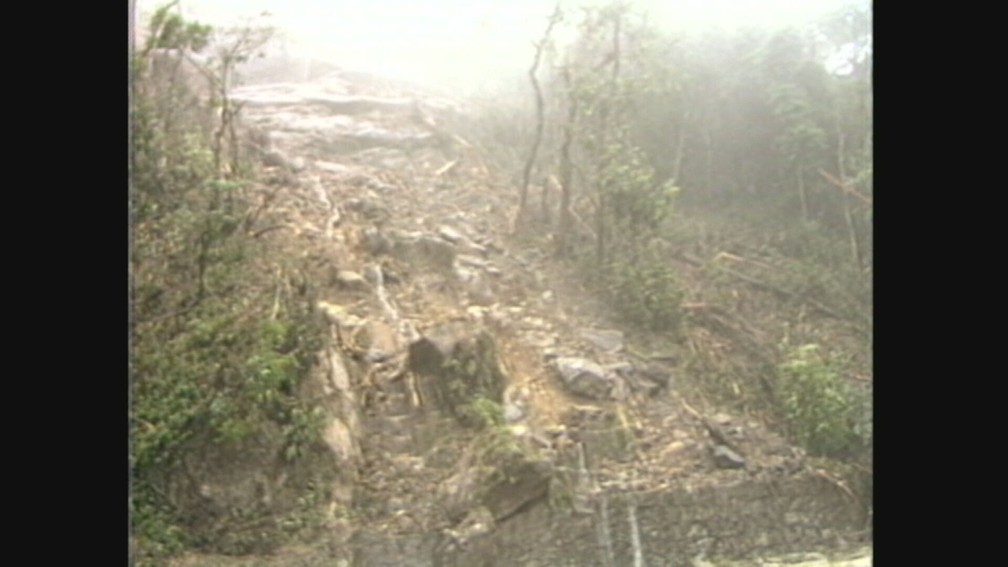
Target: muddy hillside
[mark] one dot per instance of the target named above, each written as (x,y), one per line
(483,406)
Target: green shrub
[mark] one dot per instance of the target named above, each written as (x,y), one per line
(482,413)
(825,414)
(645,293)
(217,354)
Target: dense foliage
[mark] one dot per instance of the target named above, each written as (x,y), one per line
(825,413)
(744,155)
(219,344)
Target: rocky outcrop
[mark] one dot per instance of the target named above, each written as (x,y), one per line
(456,368)
(498,472)
(422,252)
(589,379)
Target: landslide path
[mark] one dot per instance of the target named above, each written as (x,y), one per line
(404,231)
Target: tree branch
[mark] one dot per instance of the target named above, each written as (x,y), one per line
(846,187)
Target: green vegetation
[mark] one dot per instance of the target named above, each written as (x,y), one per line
(716,189)
(483,413)
(824,412)
(601,82)
(645,293)
(220,345)
(473,383)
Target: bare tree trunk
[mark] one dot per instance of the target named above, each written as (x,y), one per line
(680,151)
(544,202)
(608,116)
(802,193)
(566,168)
(848,217)
(233,138)
(540,118)
(708,160)
(616,49)
(600,230)
(221,88)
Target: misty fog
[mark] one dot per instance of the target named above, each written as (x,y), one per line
(465,46)
(501,283)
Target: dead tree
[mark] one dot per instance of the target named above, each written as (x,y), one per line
(566,168)
(540,118)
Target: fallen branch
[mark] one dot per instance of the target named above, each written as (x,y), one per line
(263,231)
(836,482)
(447,168)
(692,411)
(713,430)
(846,187)
(784,293)
(730,256)
(688,258)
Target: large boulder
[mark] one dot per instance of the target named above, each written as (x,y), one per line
(500,472)
(457,366)
(589,379)
(422,251)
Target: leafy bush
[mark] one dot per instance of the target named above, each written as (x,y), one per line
(825,414)
(218,354)
(645,293)
(483,413)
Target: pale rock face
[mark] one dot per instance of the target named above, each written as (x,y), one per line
(589,379)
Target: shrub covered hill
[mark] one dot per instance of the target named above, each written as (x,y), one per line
(622,319)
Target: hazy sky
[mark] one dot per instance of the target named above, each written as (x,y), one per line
(463,42)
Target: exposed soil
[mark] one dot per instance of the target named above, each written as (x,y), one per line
(354,167)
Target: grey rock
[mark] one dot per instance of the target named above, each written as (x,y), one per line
(347,279)
(375,242)
(513,412)
(589,379)
(428,354)
(657,373)
(470,246)
(472,261)
(624,368)
(276,158)
(332,167)
(369,209)
(450,234)
(423,251)
(726,458)
(480,294)
(517,482)
(607,340)
(478,291)
(341,442)
(455,364)
(338,315)
(477,522)
(637,380)
(465,275)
